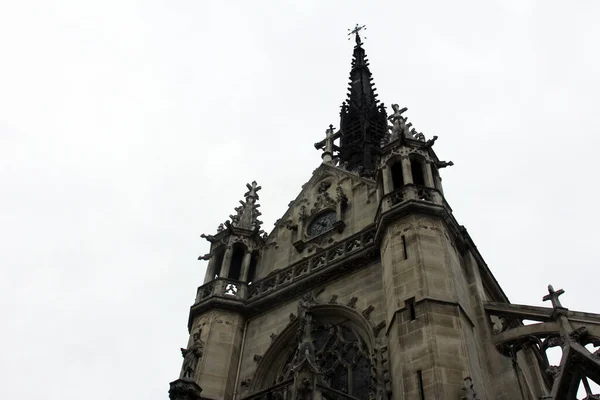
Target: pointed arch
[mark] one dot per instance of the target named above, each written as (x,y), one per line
(284,346)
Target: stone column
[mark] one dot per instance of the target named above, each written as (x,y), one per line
(210,269)
(428,175)
(246,266)
(226,262)
(406,171)
(409,189)
(388,184)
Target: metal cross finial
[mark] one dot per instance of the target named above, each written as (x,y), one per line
(553,296)
(355,31)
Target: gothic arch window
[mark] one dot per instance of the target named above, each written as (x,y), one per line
(341,355)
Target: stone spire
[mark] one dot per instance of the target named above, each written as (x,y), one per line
(363,121)
(247,213)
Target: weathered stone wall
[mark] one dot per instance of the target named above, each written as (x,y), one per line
(222,336)
(445,341)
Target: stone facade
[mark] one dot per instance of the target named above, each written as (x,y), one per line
(368,288)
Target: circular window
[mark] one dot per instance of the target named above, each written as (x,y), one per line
(322,223)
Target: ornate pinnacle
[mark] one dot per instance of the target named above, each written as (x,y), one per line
(247,213)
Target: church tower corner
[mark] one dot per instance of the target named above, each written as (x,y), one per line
(368,288)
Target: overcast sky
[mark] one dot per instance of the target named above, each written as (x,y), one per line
(128,128)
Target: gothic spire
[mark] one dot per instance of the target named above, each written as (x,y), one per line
(363,121)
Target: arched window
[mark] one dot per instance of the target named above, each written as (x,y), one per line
(397,177)
(342,357)
(416,167)
(237,258)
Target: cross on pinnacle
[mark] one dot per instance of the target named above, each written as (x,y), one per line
(252,189)
(355,31)
(553,296)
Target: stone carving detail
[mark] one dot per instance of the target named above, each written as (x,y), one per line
(246,382)
(184,389)
(323,186)
(469,390)
(191,357)
(273,336)
(401,127)
(579,334)
(257,358)
(352,302)
(378,328)
(499,325)
(292,317)
(367,312)
(553,371)
(333,299)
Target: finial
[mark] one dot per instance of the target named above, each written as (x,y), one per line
(553,296)
(327,144)
(252,189)
(355,31)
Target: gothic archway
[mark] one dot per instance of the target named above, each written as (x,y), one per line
(340,342)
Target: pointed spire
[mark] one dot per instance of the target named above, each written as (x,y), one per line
(363,121)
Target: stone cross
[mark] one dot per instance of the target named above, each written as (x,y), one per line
(553,296)
(252,190)
(327,144)
(355,31)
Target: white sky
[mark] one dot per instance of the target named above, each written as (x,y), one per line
(128,128)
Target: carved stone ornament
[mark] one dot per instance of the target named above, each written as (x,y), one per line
(469,390)
(352,302)
(191,357)
(184,389)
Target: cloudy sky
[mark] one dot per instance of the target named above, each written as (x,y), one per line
(128,128)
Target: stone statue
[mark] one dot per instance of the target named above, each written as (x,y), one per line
(191,357)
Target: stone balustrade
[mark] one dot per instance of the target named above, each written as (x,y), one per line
(279,279)
(410,192)
(222,287)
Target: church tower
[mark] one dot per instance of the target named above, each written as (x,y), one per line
(368,288)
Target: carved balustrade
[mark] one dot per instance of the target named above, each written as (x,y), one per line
(321,261)
(410,192)
(222,287)
(318,261)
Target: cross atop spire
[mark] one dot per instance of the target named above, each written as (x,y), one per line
(355,31)
(252,190)
(553,296)
(363,121)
